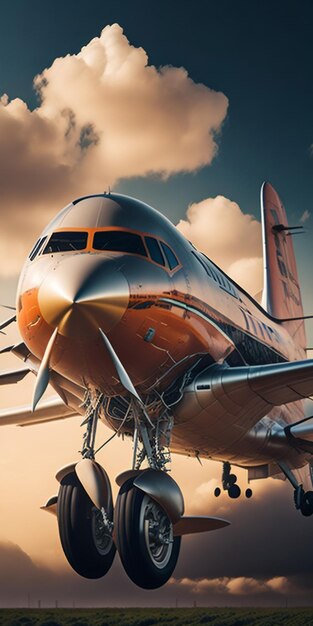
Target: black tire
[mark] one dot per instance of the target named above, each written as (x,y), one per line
(248,493)
(217,492)
(87,548)
(234,491)
(307,504)
(146,565)
(232,479)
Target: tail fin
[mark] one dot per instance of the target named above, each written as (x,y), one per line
(281,292)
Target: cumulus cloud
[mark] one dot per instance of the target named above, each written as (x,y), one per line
(239,586)
(232,239)
(104,114)
(305,216)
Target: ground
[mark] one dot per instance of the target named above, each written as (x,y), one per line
(155,617)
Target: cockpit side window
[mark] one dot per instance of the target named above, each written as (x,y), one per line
(38,245)
(119,241)
(155,250)
(66,242)
(170,256)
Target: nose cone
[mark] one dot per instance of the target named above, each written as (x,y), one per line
(84,289)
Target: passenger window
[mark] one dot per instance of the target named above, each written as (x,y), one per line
(261,329)
(119,241)
(253,325)
(66,242)
(36,248)
(170,256)
(267,331)
(204,261)
(246,319)
(154,250)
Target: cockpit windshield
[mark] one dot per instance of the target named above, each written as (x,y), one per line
(66,241)
(119,241)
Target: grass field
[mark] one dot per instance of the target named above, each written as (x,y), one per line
(156,617)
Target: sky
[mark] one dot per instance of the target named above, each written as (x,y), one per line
(188,106)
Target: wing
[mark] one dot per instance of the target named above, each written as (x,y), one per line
(276,384)
(66,404)
(48,411)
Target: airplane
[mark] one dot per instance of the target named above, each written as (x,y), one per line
(133,326)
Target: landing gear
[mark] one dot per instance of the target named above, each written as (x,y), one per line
(306,506)
(229,482)
(144,536)
(85,537)
(303,499)
(85,521)
(234,491)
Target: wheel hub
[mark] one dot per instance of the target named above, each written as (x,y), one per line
(101,534)
(158,532)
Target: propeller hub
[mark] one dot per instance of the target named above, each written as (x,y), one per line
(82,290)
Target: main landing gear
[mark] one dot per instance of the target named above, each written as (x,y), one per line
(303,499)
(86,540)
(148,505)
(86,529)
(229,483)
(145,541)
(148,521)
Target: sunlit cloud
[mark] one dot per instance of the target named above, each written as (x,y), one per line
(239,586)
(231,238)
(104,114)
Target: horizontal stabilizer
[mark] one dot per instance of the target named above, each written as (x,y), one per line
(13,376)
(50,410)
(200,524)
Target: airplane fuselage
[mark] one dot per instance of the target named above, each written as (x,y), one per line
(169,317)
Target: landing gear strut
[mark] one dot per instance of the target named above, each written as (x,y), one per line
(229,483)
(85,529)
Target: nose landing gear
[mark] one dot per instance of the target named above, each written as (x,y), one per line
(229,483)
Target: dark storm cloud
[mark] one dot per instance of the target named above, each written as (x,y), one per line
(267,538)
(262,557)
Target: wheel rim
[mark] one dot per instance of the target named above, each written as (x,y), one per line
(157,531)
(100,533)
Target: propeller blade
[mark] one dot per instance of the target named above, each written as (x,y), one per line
(43,375)
(7,322)
(120,369)
(7,349)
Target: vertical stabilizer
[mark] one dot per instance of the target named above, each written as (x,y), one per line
(281,292)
